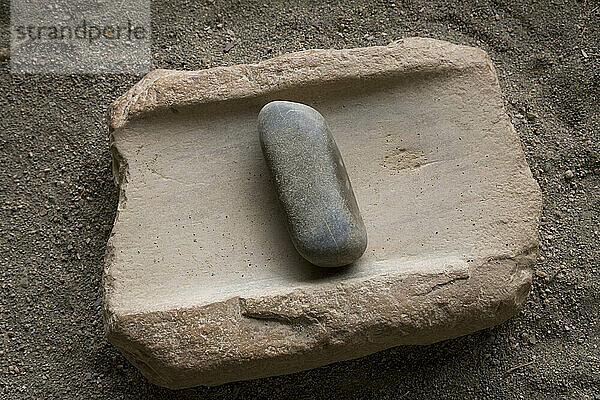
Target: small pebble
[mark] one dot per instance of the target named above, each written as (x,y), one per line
(569,174)
(533,340)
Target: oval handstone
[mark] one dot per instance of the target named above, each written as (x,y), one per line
(312,184)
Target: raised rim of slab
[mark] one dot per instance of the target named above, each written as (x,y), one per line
(411,307)
(162,88)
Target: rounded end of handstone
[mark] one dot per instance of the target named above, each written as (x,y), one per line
(334,254)
(281,107)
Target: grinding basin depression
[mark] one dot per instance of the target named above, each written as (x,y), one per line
(202,284)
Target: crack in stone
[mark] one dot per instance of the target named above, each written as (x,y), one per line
(271,316)
(168,178)
(438,286)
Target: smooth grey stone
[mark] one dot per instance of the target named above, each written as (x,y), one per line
(312,184)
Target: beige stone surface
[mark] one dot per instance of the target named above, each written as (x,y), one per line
(202,285)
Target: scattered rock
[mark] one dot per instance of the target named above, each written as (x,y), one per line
(533,340)
(569,174)
(541,274)
(229,46)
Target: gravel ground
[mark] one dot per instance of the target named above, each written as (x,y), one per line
(59,201)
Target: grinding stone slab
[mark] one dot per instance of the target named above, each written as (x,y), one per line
(202,284)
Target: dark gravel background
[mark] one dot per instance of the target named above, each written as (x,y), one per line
(58,202)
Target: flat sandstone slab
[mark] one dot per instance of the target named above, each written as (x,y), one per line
(202,283)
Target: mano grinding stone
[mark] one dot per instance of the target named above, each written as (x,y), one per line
(312,184)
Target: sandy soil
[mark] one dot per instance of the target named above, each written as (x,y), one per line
(58,202)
